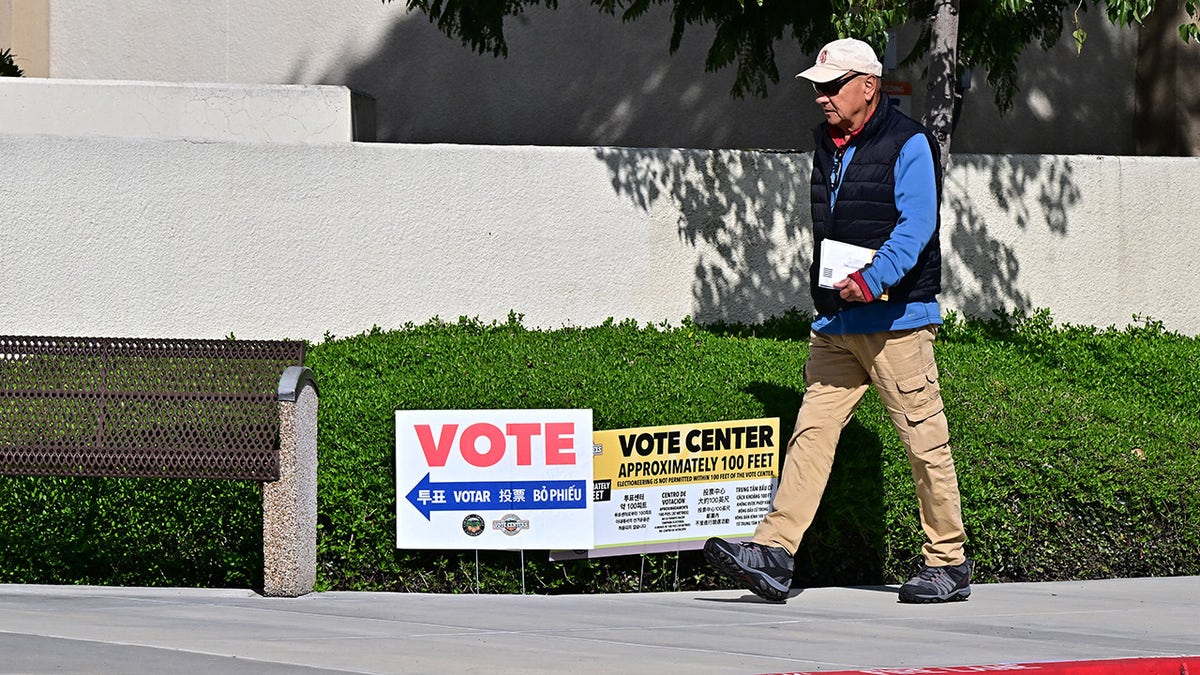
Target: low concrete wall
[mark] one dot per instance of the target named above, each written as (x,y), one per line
(128,237)
(225,112)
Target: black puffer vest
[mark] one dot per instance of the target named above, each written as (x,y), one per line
(866,212)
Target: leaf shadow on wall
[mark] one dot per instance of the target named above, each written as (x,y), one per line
(745,211)
(747,214)
(985,272)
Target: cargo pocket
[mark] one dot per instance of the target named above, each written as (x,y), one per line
(921,396)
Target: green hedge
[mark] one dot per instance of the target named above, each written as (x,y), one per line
(1078,452)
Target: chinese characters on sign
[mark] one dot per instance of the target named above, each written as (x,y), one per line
(670,488)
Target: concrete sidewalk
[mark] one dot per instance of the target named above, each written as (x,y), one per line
(65,629)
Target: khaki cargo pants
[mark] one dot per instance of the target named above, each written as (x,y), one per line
(838,372)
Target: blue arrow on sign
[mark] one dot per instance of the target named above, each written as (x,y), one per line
(428,496)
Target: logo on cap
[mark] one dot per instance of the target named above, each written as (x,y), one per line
(824,55)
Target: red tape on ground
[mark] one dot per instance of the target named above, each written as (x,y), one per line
(1167,665)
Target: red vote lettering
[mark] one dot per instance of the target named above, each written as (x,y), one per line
(559,437)
(472,454)
(524,433)
(436,453)
(559,443)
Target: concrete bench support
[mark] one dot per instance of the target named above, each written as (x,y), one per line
(290,503)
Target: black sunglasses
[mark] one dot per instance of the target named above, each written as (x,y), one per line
(832,88)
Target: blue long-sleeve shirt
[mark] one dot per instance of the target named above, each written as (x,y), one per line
(916,200)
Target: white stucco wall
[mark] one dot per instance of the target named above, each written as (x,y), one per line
(573,76)
(1097,239)
(124,237)
(176,110)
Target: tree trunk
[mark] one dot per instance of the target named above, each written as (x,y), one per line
(943,58)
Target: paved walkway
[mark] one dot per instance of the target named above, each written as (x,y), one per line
(64,629)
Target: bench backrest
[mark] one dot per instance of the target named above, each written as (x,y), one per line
(141,407)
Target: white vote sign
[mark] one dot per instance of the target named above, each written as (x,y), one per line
(494,479)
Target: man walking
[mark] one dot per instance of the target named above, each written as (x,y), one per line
(876,184)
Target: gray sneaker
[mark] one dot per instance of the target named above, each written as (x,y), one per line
(939,584)
(765,570)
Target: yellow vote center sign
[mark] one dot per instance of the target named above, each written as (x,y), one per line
(670,488)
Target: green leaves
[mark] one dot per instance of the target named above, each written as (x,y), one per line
(745,33)
(629,375)
(133,532)
(869,20)
(1128,12)
(478,23)
(9,68)
(1078,432)
(1077,448)
(1190,31)
(1045,422)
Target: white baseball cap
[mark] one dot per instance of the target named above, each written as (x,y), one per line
(841,57)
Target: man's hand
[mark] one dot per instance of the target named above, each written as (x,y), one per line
(850,291)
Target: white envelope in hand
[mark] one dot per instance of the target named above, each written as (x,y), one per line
(839,260)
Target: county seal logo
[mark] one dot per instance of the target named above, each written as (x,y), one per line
(473,525)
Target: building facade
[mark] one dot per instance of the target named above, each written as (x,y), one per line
(575,76)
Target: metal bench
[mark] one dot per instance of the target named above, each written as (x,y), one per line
(166,408)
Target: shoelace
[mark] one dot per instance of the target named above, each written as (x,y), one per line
(938,577)
(759,555)
(929,573)
(756,555)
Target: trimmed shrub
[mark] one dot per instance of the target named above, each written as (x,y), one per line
(131,532)
(1078,452)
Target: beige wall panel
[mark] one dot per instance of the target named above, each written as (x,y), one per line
(25,29)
